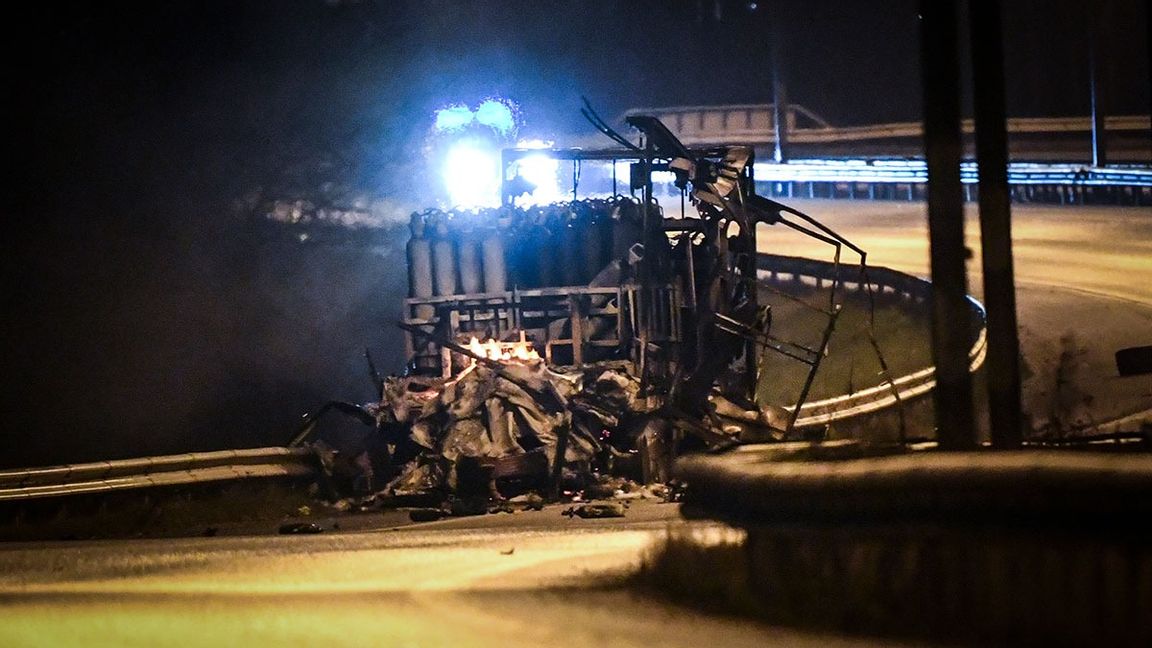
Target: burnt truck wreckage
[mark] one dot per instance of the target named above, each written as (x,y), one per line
(580,346)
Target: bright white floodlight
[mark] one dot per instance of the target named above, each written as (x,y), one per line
(542,172)
(472,176)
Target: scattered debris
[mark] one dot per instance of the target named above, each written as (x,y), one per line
(298,528)
(596,511)
(530,501)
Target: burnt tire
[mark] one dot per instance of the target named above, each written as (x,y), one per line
(1134,361)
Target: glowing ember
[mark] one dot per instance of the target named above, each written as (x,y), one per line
(520,351)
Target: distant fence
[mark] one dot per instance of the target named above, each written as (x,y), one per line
(883,179)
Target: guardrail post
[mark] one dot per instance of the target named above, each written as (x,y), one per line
(950,314)
(996,223)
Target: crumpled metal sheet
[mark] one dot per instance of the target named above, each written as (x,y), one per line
(419,477)
(499,419)
(466,438)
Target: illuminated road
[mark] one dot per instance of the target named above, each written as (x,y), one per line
(1101,250)
(1084,274)
(531,579)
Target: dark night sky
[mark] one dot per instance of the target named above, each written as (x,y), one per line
(134,309)
(124,92)
(363,77)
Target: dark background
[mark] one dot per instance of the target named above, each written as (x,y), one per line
(141,314)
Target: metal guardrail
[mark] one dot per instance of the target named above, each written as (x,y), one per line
(147,472)
(882,281)
(900,171)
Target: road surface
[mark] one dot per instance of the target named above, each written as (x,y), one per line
(529,579)
(1104,251)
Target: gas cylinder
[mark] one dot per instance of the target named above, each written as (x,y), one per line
(541,246)
(419,252)
(495,266)
(591,242)
(468,258)
(443,261)
(568,251)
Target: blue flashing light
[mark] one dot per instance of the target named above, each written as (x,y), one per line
(497,114)
(453,118)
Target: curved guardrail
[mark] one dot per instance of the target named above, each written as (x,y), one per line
(145,472)
(882,281)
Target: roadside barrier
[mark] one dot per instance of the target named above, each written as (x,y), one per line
(147,472)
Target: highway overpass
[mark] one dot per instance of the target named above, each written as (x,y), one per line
(1031,139)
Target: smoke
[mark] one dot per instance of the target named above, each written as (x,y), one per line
(140,345)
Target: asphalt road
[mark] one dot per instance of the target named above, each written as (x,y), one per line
(529,579)
(1104,251)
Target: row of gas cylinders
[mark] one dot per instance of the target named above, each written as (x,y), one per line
(491,250)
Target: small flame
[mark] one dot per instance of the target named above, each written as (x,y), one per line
(520,351)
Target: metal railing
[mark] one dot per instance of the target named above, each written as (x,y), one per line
(147,472)
(916,172)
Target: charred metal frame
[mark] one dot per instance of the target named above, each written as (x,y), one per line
(671,332)
(654,302)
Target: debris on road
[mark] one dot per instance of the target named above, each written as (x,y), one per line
(298,528)
(596,511)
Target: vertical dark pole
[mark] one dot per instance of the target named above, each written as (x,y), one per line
(1003,367)
(779,116)
(950,312)
(779,96)
(1096,85)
